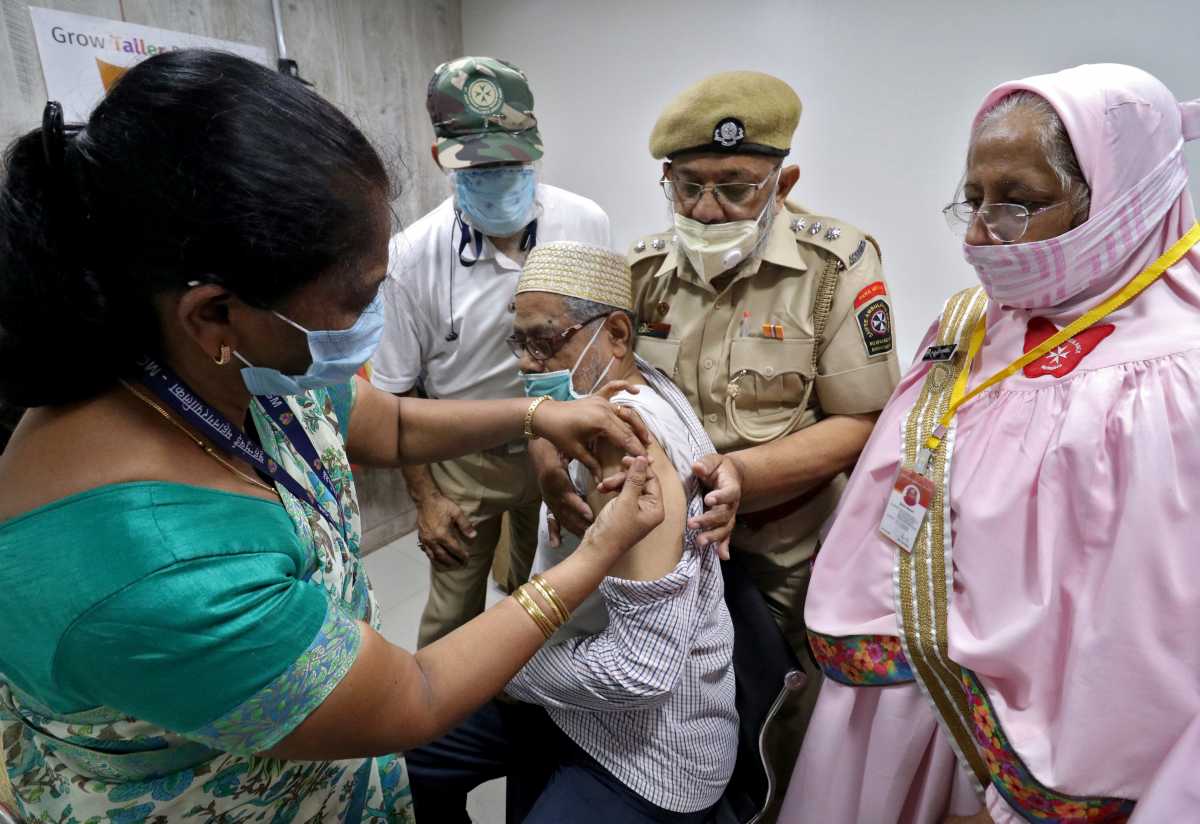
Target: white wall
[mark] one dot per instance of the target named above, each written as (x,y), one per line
(888,89)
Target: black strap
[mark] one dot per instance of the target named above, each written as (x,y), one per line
(467,234)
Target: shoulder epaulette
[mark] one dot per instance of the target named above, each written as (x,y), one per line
(845,242)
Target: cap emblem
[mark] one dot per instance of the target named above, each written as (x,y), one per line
(729,132)
(484,96)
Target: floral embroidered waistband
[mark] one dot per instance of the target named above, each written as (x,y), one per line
(861,660)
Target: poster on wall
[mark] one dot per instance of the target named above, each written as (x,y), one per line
(82,56)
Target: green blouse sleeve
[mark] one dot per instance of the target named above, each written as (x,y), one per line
(233,650)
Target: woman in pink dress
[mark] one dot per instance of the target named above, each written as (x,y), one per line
(1025,649)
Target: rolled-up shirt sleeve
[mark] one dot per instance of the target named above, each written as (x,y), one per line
(635,662)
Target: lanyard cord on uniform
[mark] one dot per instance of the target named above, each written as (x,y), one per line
(466,235)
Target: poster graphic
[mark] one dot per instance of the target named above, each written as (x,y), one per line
(82,56)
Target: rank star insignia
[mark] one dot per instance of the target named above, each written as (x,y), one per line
(875,326)
(729,132)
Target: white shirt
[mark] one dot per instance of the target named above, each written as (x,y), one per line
(478,365)
(646,687)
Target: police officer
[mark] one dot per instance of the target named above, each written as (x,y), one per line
(774,321)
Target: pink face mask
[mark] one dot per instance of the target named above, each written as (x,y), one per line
(1128,131)
(1045,273)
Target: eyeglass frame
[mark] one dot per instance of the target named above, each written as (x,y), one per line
(665,182)
(555,342)
(948,212)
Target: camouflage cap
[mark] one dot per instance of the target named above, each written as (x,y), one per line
(734,112)
(482,112)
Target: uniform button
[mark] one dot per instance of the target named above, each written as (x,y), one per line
(769,371)
(712,417)
(708,363)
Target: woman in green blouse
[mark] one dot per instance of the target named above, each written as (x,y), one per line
(188,632)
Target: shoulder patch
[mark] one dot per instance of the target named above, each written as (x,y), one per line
(871,290)
(875,325)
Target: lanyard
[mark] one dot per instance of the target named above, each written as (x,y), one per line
(171,390)
(959,396)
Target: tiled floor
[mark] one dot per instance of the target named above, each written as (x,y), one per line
(400,575)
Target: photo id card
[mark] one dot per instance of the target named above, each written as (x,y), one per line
(906,508)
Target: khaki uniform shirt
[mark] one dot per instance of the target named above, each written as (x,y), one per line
(751,385)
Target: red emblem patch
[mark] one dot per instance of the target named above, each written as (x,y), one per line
(1062,359)
(871,290)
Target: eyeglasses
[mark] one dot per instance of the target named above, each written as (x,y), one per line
(686,194)
(1005,222)
(542,348)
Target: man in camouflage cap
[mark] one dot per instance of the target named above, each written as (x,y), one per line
(776,324)
(452,278)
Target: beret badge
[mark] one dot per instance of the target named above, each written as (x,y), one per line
(729,132)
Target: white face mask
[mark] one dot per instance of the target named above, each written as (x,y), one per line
(713,248)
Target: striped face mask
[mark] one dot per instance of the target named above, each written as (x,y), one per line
(1045,273)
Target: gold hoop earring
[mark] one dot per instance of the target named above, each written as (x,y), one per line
(224,357)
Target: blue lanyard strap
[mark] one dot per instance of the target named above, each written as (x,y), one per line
(171,390)
(279,412)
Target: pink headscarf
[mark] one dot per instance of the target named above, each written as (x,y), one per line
(1073,493)
(1128,134)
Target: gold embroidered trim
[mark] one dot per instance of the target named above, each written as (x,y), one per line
(922,578)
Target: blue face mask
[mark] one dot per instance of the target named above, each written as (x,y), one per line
(560,385)
(337,354)
(497,202)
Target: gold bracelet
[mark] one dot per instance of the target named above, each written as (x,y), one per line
(533,405)
(535,612)
(551,595)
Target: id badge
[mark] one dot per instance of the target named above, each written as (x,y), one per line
(906,508)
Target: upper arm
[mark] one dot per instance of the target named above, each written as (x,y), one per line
(858,368)
(230,650)
(658,553)
(373,437)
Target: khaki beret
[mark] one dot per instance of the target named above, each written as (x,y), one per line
(734,112)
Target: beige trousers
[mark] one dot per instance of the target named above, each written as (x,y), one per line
(486,486)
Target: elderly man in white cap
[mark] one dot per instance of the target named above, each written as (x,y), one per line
(635,694)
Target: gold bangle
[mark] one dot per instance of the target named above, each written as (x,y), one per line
(551,595)
(535,612)
(533,405)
